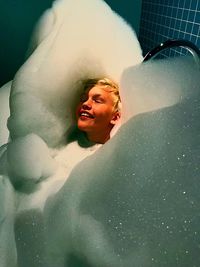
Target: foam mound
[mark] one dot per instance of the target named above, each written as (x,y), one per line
(157,84)
(74,40)
(135,202)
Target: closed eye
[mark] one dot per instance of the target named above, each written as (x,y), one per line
(98,99)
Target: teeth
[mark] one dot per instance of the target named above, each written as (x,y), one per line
(85,114)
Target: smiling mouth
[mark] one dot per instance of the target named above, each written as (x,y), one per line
(85,114)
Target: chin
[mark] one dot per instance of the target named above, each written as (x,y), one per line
(82,127)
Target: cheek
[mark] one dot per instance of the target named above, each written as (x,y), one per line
(104,114)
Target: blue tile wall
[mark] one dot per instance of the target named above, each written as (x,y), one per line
(169,19)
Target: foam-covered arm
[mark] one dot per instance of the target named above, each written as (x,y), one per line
(28,158)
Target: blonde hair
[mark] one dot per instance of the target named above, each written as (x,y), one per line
(107,84)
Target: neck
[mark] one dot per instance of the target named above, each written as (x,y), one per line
(99,137)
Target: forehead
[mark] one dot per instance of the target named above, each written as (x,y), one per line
(100,90)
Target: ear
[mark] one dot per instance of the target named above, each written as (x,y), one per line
(115,118)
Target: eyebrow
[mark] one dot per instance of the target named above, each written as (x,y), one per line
(96,95)
(86,95)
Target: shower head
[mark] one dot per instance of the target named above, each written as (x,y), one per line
(193,49)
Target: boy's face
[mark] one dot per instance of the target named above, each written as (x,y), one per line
(95,112)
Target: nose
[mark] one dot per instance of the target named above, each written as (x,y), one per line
(87,105)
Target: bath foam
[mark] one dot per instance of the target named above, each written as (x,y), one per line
(135,202)
(8,254)
(74,40)
(41,103)
(23,164)
(131,203)
(63,51)
(5,112)
(158,83)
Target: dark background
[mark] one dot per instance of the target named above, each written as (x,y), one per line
(17,21)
